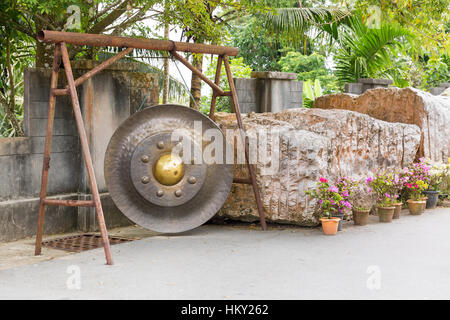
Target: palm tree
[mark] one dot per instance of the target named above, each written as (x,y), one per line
(369,52)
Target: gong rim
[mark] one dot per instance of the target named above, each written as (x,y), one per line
(117,169)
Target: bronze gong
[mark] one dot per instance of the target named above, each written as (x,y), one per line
(154,181)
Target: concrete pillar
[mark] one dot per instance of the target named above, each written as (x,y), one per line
(269,92)
(438,90)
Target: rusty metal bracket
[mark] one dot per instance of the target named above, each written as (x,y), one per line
(61,39)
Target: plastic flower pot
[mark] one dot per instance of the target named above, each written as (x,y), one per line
(443,196)
(398,210)
(341,218)
(416,207)
(432,199)
(385,214)
(329,225)
(360,217)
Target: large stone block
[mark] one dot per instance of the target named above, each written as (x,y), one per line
(18,218)
(313,143)
(15,146)
(63,176)
(410,106)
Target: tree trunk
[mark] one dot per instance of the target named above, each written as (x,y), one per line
(196,82)
(10,108)
(165,93)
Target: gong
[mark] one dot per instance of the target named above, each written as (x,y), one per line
(156,171)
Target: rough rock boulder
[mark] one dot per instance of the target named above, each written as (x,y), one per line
(411,106)
(312,143)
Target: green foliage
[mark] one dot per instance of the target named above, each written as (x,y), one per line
(239,70)
(260,52)
(311,67)
(16,54)
(436,71)
(292,24)
(369,52)
(311,92)
(428,20)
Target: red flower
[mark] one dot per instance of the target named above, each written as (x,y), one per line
(323,180)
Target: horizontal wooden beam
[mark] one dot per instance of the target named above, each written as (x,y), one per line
(103,40)
(69,203)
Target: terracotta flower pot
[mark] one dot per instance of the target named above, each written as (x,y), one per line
(330,226)
(398,210)
(424,205)
(385,214)
(360,217)
(416,207)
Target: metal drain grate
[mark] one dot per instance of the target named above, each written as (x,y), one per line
(81,242)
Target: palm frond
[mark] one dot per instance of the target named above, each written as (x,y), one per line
(293,23)
(368,52)
(146,58)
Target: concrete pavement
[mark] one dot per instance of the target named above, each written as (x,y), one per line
(408,258)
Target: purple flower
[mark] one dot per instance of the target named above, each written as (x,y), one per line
(369,180)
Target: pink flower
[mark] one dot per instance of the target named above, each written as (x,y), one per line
(333,189)
(369,180)
(324,180)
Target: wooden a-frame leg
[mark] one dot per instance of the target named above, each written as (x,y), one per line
(47,148)
(86,152)
(212,110)
(251,169)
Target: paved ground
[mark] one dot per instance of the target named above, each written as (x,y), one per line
(20,253)
(409,258)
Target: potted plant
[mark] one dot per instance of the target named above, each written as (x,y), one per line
(398,181)
(438,173)
(416,176)
(416,204)
(345,186)
(382,184)
(362,201)
(330,202)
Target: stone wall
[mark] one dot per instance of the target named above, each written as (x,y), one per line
(411,106)
(106,100)
(269,92)
(365,84)
(314,143)
(439,90)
